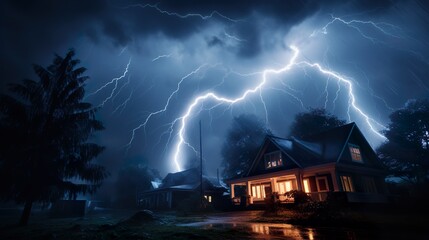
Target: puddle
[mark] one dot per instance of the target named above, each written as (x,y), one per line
(272,230)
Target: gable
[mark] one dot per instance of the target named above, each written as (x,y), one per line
(332,141)
(331,146)
(368,157)
(272,147)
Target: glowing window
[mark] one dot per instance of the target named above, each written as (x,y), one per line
(258,191)
(284,186)
(209,198)
(355,153)
(273,160)
(306,185)
(346,182)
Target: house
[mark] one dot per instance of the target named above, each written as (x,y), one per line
(337,160)
(179,186)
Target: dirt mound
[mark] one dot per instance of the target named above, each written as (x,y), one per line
(140,217)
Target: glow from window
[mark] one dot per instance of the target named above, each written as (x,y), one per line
(285,186)
(355,153)
(273,160)
(209,198)
(346,181)
(306,185)
(258,191)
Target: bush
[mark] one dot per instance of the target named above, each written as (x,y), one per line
(272,203)
(299,197)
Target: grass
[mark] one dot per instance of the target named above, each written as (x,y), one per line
(113,225)
(118,224)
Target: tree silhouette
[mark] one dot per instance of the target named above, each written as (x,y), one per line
(45,126)
(242,144)
(313,121)
(406,153)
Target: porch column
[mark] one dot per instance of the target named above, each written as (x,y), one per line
(232,190)
(249,191)
(334,180)
(274,185)
(170,199)
(298,181)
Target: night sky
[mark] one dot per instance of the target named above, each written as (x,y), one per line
(141,55)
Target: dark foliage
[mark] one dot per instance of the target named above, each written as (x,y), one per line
(133,179)
(299,197)
(44,150)
(406,153)
(242,144)
(313,121)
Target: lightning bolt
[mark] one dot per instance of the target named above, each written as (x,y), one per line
(162,56)
(124,104)
(164,109)
(188,15)
(114,81)
(234,37)
(292,63)
(380,26)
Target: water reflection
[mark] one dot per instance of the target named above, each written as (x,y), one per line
(286,230)
(265,229)
(241,222)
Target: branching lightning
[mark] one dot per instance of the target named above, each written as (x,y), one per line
(188,15)
(380,26)
(192,108)
(292,63)
(143,125)
(114,81)
(162,56)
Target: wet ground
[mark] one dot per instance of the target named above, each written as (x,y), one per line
(109,224)
(244,221)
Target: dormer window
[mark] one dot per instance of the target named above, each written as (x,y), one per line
(355,153)
(273,160)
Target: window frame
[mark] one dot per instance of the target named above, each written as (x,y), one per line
(258,191)
(285,183)
(306,185)
(267,159)
(325,178)
(352,153)
(347,184)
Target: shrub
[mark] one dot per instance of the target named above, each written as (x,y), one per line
(299,197)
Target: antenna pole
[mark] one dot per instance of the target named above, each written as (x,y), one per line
(201,167)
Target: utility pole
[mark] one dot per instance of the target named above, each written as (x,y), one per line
(201,168)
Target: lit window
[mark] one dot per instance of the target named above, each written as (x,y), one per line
(306,185)
(285,186)
(273,160)
(355,153)
(209,198)
(258,191)
(346,182)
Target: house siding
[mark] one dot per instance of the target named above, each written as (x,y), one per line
(324,156)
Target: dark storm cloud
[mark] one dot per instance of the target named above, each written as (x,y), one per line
(118,30)
(214,41)
(32,28)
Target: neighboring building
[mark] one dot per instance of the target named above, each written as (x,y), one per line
(337,160)
(179,186)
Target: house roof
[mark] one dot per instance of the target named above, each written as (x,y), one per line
(315,149)
(189,180)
